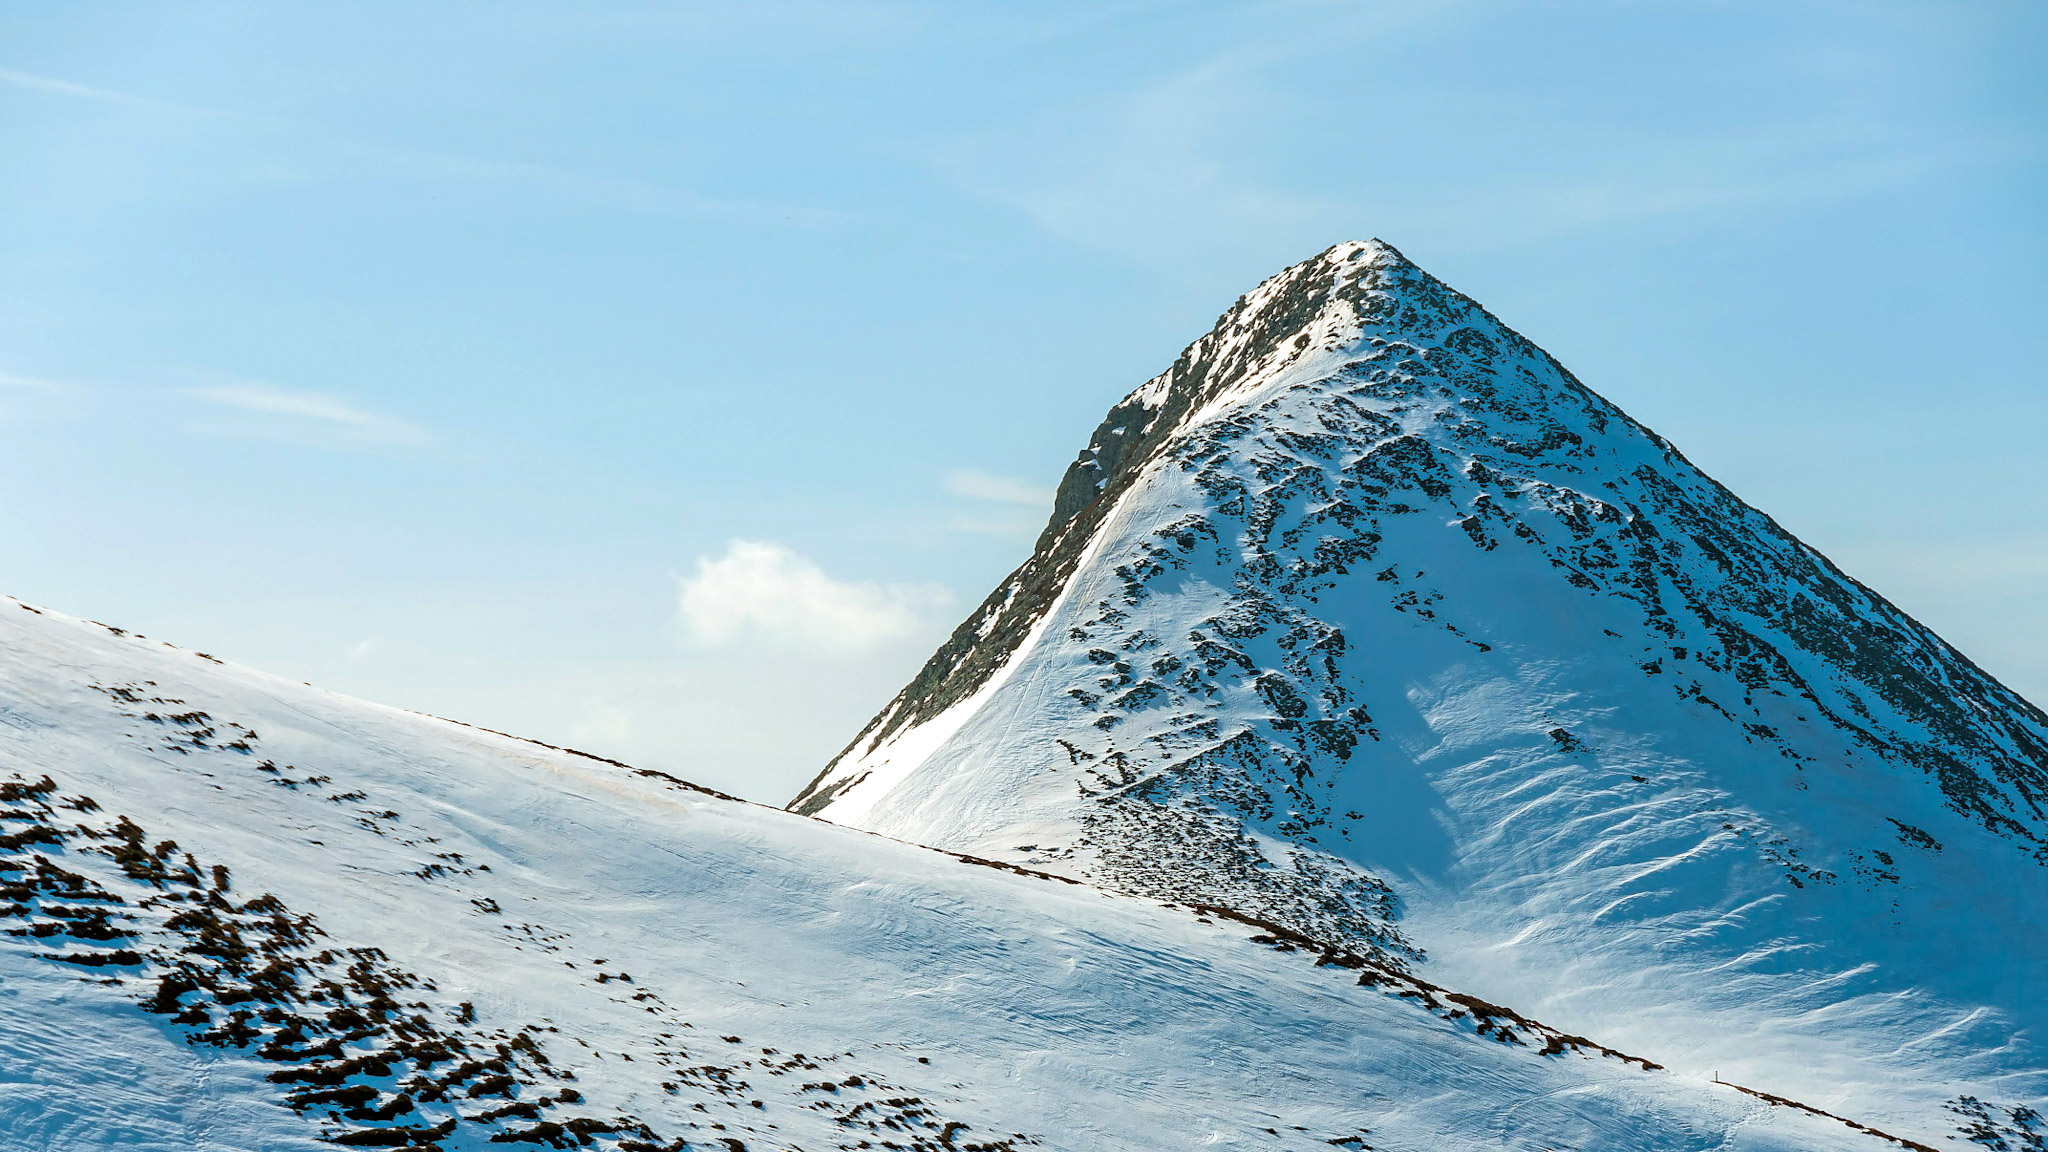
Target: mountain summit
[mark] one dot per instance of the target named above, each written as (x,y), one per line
(1367,619)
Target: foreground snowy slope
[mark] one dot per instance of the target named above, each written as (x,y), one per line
(1367,618)
(243,913)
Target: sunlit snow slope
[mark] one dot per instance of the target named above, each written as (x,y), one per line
(241,913)
(1368,619)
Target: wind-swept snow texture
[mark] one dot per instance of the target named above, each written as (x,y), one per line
(241,913)
(1368,619)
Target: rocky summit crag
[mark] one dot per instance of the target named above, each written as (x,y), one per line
(1367,619)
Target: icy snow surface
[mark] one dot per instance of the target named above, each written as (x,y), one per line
(1386,629)
(247,914)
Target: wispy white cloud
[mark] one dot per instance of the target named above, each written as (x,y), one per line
(1145,168)
(982,486)
(296,411)
(594,187)
(352,155)
(35,83)
(1136,177)
(1189,167)
(31,383)
(764,590)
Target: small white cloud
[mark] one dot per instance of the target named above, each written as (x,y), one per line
(311,407)
(764,589)
(981,486)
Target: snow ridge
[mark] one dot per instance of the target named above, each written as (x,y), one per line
(244,914)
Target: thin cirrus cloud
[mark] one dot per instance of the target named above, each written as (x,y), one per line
(294,413)
(760,589)
(30,383)
(50,84)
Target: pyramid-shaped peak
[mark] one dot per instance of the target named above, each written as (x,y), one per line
(1305,325)
(1334,302)
(1366,620)
(1355,254)
(1375,252)
(1353,414)
(1334,265)
(1337,272)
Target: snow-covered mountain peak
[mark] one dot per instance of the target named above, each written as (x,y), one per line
(1368,619)
(1300,324)
(1392,683)
(1299,317)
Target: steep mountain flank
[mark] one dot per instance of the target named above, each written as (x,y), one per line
(1368,619)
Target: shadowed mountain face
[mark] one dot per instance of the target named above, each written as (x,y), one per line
(1367,618)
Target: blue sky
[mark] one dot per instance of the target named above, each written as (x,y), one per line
(666,379)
